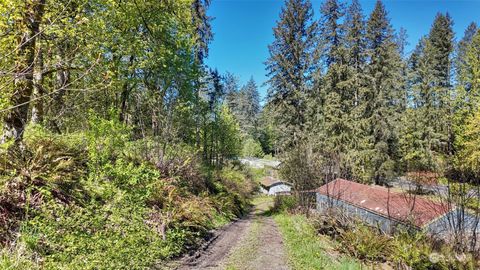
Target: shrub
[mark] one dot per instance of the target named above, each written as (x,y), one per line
(330,225)
(92,201)
(16,257)
(106,140)
(49,166)
(404,249)
(363,243)
(284,204)
(413,250)
(252,148)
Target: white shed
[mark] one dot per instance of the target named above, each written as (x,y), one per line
(272,186)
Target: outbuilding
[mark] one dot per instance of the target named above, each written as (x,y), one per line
(273,186)
(384,208)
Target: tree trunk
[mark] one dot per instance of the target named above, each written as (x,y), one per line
(16,119)
(125,95)
(38,90)
(62,81)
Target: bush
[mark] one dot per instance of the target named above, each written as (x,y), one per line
(284,204)
(363,243)
(252,148)
(17,258)
(330,225)
(404,249)
(49,166)
(93,201)
(413,250)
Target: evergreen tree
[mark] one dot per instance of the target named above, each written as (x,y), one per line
(213,95)
(439,48)
(231,92)
(419,138)
(461,50)
(428,134)
(331,31)
(468,101)
(441,38)
(472,74)
(268,132)
(381,150)
(466,95)
(335,124)
(355,83)
(290,68)
(202,37)
(430,82)
(244,103)
(249,107)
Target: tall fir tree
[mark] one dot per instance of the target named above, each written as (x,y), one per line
(439,49)
(432,93)
(472,74)
(203,36)
(232,89)
(243,103)
(461,50)
(332,31)
(419,139)
(465,96)
(334,126)
(468,103)
(249,107)
(290,66)
(355,81)
(384,70)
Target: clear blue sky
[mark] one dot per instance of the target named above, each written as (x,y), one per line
(243,28)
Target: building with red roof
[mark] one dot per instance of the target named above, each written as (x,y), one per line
(383,207)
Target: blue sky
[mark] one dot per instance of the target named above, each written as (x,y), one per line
(243,28)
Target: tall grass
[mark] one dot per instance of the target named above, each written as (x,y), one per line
(306,250)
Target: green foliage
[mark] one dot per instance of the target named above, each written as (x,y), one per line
(229,134)
(107,207)
(469,156)
(384,72)
(244,104)
(402,249)
(413,250)
(234,191)
(17,258)
(106,139)
(283,204)
(48,166)
(362,242)
(259,173)
(305,249)
(290,69)
(252,148)
(109,236)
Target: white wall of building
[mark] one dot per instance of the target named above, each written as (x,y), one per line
(279,188)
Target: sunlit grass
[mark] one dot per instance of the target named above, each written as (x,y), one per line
(305,249)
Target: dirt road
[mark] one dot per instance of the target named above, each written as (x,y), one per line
(250,243)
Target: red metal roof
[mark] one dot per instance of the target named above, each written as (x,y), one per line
(403,207)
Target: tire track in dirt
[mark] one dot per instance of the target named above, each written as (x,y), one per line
(260,249)
(252,243)
(212,253)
